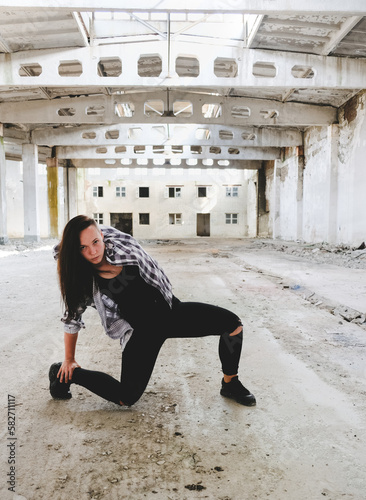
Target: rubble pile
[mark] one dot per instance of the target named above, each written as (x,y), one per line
(338,255)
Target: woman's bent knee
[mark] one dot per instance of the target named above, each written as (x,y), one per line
(237,331)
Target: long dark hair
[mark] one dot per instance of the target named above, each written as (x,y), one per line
(74,272)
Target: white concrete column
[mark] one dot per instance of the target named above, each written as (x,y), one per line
(3,207)
(30,186)
(299,192)
(276,224)
(64,201)
(333,134)
(72,193)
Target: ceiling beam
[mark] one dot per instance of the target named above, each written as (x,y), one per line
(81,28)
(338,36)
(108,154)
(254,30)
(172,108)
(224,67)
(184,163)
(335,7)
(195,135)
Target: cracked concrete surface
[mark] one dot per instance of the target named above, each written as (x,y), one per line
(304,440)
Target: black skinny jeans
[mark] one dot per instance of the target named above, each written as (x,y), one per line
(184,320)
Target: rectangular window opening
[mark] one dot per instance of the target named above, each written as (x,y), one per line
(120,191)
(98,218)
(232,191)
(231,218)
(175,192)
(175,219)
(144,219)
(202,192)
(98,191)
(144,192)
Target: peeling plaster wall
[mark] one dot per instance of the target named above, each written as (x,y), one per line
(316,184)
(284,195)
(352,171)
(15,203)
(265,226)
(335,178)
(333,186)
(288,188)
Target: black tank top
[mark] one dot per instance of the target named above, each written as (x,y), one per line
(139,303)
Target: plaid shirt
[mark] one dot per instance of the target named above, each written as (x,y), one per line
(121,249)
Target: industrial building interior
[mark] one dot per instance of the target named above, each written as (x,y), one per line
(273,90)
(215,87)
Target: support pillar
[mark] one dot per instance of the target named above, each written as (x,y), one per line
(333,185)
(72,192)
(276,224)
(52,195)
(57,197)
(3,207)
(30,186)
(299,192)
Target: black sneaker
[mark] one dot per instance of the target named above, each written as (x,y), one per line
(58,390)
(235,390)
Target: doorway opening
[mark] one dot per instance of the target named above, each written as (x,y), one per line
(203,224)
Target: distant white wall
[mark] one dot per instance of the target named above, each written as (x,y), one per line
(159,206)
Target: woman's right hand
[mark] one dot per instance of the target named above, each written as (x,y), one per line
(67,368)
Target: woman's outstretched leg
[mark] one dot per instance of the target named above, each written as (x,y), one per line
(195,319)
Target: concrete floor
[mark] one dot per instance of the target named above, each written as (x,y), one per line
(304,440)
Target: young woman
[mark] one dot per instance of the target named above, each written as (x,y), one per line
(109,270)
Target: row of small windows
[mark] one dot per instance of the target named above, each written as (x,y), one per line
(175,219)
(172,192)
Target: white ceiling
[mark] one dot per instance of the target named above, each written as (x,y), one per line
(253,47)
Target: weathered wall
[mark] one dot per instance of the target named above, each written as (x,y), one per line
(284,196)
(335,178)
(324,199)
(267,216)
(288,185)
(263,213)
(352,171)
(316,184)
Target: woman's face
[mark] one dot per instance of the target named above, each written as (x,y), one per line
(92,245)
